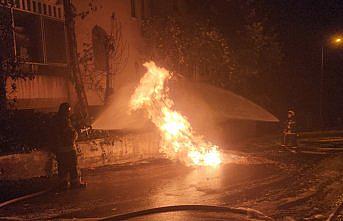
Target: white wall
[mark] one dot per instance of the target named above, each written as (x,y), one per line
(131,33)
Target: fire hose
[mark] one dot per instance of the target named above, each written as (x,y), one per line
(165,209)
(25,197)
(28,196)
(201,208)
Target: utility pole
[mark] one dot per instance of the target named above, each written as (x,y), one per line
(336,41)
(321,89)
(73,59)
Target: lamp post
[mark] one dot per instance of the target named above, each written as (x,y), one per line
(321,89)
(335,41)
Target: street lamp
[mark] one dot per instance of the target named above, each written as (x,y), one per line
(336,41)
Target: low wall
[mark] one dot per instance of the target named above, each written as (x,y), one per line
(93,153)
(120,149)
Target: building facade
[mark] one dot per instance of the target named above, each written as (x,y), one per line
(39,42)
(109,43)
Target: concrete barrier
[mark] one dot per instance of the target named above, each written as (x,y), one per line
(92,153)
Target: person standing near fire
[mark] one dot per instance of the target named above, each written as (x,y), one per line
(65,149)
(290,133)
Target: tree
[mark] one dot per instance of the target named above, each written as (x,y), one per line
(229,43)
(257,49)
(73,59)
(191,45)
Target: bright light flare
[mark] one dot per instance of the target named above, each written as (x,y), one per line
(337,40)
(178,139)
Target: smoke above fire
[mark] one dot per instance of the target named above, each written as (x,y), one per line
(178,139)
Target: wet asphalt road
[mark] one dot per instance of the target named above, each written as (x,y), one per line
(281,183)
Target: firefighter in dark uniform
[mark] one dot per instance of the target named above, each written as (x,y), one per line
(65,150)
(290,134)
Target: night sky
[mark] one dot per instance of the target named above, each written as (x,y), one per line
(304,27)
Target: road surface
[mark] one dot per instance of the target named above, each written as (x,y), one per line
(283,183)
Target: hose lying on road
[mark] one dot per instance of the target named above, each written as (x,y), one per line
(54,186)
(25,197)
(203,208)
(29,196)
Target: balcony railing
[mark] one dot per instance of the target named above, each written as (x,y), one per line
(41,7)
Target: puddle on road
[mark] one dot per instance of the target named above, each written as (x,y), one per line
(229,157)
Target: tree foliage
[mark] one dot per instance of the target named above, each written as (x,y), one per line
(257,50)
(191,46)
(228,43)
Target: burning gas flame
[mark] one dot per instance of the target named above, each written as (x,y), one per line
(178,139)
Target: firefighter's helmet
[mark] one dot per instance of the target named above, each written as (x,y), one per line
(291,113)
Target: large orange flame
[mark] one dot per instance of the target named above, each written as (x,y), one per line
(178,139)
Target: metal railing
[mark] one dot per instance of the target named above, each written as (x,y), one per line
(39,7)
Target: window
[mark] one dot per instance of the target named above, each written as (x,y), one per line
(28,36)
(44,9)
(34,6)
(29,5)
(23,4)
(34,38)
(55,42)
(99,42)
(59,13)
(39,8)
(133,8)
(49,10)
